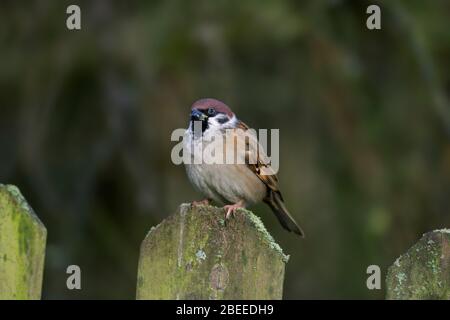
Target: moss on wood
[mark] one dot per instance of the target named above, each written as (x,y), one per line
(22,247)
(423,272)
(195,254)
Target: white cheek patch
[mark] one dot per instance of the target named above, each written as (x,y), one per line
(222,122)
(215,123)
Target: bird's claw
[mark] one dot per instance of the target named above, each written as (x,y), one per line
(231,209)
(230,212)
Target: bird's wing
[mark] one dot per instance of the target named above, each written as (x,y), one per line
(257,160)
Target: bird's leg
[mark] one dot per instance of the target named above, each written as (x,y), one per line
(203,202)
(231,208)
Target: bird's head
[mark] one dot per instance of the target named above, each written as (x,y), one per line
(213,114)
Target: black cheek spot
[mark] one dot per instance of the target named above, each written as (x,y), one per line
(222,120)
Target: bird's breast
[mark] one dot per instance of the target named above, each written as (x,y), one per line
(224,183)
(227,183)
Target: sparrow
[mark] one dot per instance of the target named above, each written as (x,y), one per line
(235,185)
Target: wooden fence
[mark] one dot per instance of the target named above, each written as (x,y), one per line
(196,254)
(22,247)
(423,272)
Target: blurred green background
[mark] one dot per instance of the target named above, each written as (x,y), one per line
(364,119)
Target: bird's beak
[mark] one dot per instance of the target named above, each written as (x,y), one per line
(198,116)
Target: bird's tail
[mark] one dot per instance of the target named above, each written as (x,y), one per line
(275,202)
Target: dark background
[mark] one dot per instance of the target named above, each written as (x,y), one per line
(364,119)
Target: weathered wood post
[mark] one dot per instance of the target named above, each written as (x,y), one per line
(22,247)
(195,254)
(423,272)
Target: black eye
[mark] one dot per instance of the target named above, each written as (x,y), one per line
(211,112)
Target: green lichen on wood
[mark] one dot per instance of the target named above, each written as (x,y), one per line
(423,272)
(22,247)
(194,254)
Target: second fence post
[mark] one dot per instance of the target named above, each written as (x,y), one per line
(196,254)
(423,272)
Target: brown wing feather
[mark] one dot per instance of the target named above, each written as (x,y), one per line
(273,197)
(270,180)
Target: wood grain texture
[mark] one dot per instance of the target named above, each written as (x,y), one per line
(195,254)
(423,272)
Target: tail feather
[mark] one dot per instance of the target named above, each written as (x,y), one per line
(275,202)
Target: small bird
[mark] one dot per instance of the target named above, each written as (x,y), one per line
(235,185)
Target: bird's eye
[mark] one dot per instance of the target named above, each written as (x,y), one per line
(211,112)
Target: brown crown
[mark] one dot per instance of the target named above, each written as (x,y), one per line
(219,106)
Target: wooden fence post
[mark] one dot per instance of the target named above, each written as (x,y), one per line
(195,254)
(423,272)
(22,247)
